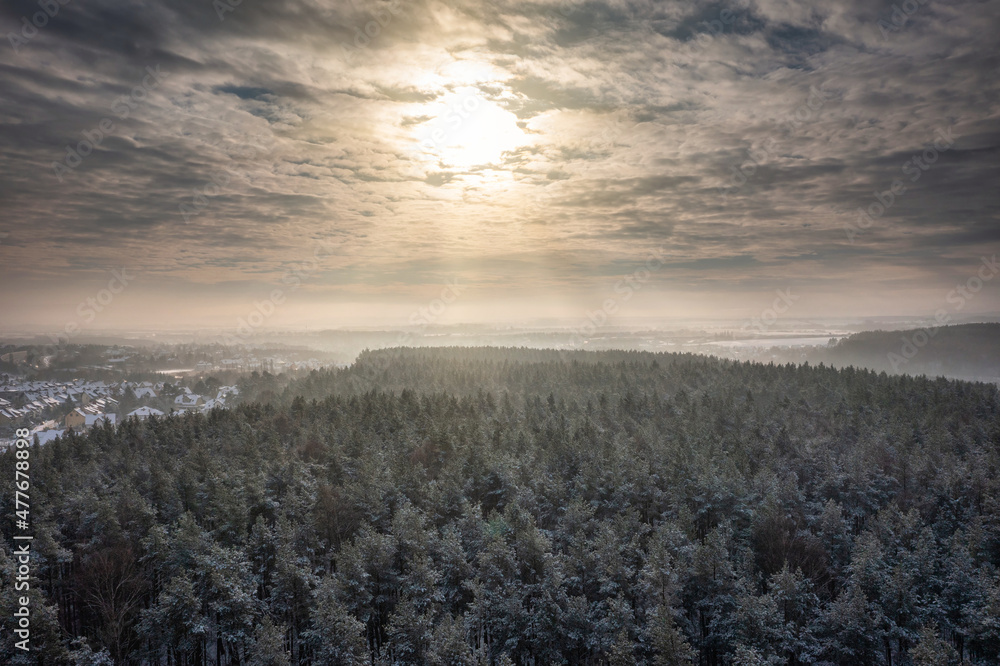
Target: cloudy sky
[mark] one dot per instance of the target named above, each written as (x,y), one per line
(357,157)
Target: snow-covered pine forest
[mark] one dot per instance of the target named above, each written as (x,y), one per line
(511,506)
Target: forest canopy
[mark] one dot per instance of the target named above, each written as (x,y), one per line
(512,506)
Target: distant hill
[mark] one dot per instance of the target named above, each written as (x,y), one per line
(970,351)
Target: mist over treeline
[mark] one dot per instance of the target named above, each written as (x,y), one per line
(961,351)
(970,351)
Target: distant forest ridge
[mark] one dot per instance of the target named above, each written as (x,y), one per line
(964,350)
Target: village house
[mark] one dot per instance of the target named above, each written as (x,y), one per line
(143,393)
(76,419)
(145,412)
(189,400)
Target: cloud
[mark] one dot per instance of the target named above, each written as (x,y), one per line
(278,125)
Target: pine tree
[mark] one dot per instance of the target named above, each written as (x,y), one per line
(337,638)
(932,651)
(268,647)
(448,645)
(670,648)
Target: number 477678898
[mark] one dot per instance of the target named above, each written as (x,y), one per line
(22,481)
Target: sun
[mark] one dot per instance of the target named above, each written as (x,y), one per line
(463,129)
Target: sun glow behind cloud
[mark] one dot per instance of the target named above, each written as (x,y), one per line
(464,129)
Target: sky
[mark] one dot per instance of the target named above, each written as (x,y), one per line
(349,163)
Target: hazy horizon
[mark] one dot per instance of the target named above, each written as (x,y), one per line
(708,325)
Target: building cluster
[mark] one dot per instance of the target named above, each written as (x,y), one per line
(23,401)
(188,400)
(50,408)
